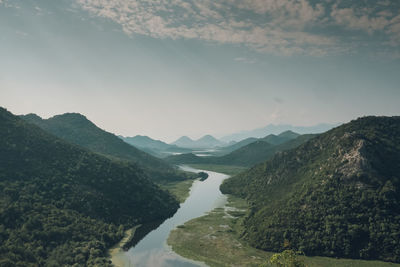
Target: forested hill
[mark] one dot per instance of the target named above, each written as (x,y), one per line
(61,204)
(260,151)
(77,129)
(248,155)
(336,195)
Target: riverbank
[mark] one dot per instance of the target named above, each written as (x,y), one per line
(226,169)
(180,189)
(214,239)
(150,248)
(116,253)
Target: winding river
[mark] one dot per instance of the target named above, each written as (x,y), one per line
(152,250)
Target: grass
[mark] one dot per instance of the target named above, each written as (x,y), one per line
(226,169)
(214,239)
(180,189)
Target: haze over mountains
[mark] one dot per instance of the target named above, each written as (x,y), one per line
(277,129)
(155,147)
(225,144)
(250,92)
(250,151)
(206,141)
(338,187)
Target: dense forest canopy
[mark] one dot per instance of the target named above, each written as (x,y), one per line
(61,204)
(335,195)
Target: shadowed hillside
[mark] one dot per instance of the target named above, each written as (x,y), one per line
(77,129)
(63,205)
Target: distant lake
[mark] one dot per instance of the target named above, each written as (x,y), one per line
(152,250)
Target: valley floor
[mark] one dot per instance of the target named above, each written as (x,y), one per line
(226,169)
(214,239)
(180,189)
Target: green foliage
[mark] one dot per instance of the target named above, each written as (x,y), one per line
(63,205)
(202,175)
(336,195)
(287,258)
(77,129)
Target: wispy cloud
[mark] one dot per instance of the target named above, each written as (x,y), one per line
(283,27)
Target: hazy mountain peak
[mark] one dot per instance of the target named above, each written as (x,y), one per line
(70,116)
(277,129)
(32,116)
(289,134)
(184,138)
(207,141)
(208,138)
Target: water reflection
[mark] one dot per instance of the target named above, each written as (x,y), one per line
(152,250)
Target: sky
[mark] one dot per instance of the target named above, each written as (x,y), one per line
(167,68)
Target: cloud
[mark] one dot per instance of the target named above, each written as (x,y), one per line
(371,20)
(245,60)
(353,19)
(283,27)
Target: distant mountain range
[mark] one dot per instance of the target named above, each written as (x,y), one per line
(336,195)
(247,152)
(152,146)
(77,129)
(206,141)
(276,129)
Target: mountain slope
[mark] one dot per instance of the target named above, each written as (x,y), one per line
(206,141)
(61,204)
(281,138)
(276,129)
(147,142)
(152,146)
(183,141)
(260,150)
(77,129)
(335,195)
(227,149)
(246,156)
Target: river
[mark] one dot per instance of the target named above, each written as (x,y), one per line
(152,250)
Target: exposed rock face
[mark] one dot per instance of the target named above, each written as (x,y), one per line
(335,195)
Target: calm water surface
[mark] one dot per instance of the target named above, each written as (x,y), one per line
(152,250)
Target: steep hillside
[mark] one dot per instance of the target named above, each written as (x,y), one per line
(145,141)
(63,205)
(336,195)
(222,151)
(77,129)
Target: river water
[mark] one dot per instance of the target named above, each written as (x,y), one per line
(152,250)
